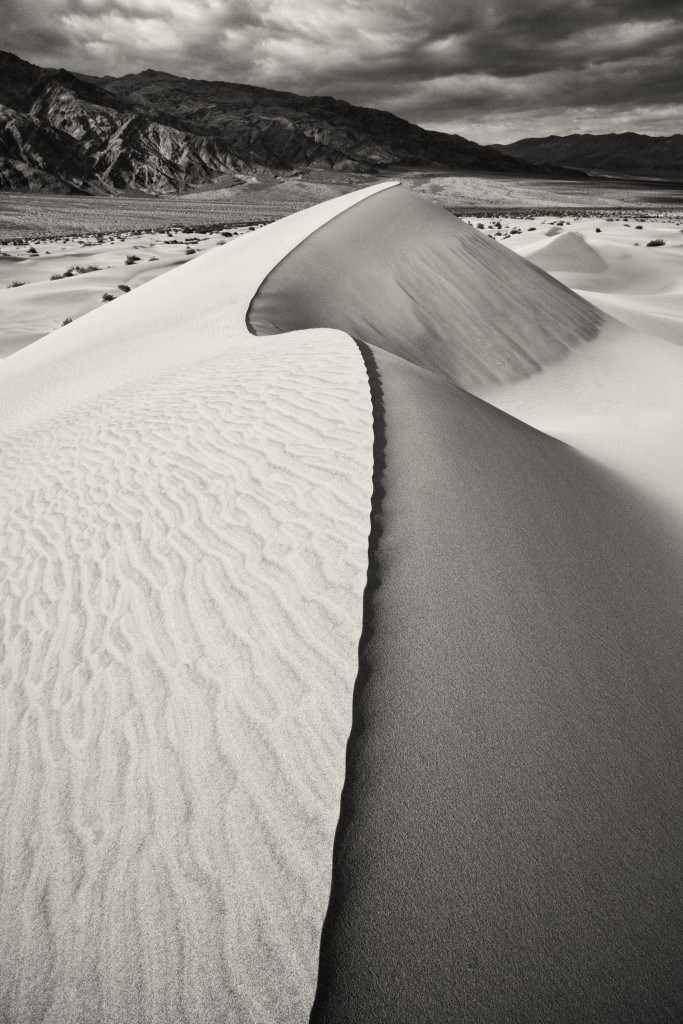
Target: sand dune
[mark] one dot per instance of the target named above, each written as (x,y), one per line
(185,512)
(634,283)
(510,836)
(568,252)
(184,551)
(408,277)
(617,269)
(619,399)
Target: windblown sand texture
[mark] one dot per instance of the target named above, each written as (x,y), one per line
(185,513)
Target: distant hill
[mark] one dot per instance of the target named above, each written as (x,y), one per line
(157,133)
(627,153)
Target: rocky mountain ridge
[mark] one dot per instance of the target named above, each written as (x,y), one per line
(625,153)
(157,133)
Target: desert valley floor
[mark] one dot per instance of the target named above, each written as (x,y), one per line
(342,572)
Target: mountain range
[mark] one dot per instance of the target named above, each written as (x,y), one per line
(626,153)
(156,133)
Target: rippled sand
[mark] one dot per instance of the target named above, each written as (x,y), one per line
(185,512)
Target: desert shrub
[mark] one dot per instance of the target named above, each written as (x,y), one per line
(480,226)
(189,251)
(153,259)
(16,284)
(72,271)
(598,230)
(131,259)
(639,227)
(531,229)
(33,251)
(69,320)
(655,242)
(107,297)
(124,287)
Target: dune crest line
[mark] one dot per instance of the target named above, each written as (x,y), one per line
(365,662)
(408,277)
(509,833)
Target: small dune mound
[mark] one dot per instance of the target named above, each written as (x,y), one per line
(568,253)
(406,276)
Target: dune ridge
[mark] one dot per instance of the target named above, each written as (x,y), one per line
(508,840)
(193,503)
(184,552)
(404,275)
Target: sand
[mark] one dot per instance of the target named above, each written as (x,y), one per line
(41,305)
(184,550)
(610,263)
(619,399)
(407,277)
(509,835)
(386,273)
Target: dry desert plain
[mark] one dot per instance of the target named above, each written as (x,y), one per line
(342,571)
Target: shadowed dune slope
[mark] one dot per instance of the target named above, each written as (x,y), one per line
(510,831)
(404,275)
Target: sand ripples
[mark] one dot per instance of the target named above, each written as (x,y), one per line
(184,565)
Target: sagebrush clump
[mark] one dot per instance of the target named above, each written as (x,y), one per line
(73,271)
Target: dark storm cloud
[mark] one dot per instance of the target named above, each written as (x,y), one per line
(490,69)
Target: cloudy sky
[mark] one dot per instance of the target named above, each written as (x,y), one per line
(492,70)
